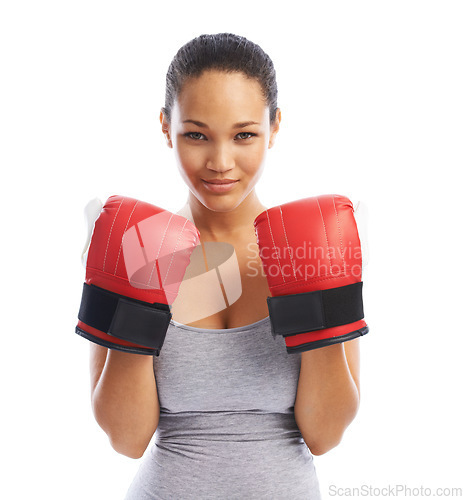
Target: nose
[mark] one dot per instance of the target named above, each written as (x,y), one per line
(220,159)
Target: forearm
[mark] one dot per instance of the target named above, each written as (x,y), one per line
(327,397)
(125,401)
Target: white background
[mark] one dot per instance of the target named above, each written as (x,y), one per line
(371,96)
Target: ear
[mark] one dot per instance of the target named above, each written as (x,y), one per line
(165,126)
(274,128)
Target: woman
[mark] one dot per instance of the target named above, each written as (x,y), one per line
(223,393)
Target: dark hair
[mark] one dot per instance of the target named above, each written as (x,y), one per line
(225,52)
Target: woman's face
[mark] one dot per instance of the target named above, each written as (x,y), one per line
(220,131)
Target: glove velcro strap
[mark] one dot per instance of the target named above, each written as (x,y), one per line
(311,311)
(125,318)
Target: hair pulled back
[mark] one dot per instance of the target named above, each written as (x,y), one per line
(225,52)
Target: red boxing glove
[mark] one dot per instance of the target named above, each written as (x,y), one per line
(311,254)
(136,261)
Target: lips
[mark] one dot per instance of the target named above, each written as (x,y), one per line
(219,185)
(220,181)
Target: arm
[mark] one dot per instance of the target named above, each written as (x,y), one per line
(328,394)
(125,307)
(311,254)
(124,398)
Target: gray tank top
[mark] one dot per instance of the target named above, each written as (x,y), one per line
(227,428)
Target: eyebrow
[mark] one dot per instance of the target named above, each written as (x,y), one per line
(236,125)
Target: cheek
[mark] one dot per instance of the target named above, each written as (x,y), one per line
(189,160)
(251,160)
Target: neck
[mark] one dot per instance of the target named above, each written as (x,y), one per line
(218,224)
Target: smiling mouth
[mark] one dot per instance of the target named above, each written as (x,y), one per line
(219,185)
(220,181)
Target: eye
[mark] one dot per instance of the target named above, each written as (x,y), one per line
(245,135)
(196,136)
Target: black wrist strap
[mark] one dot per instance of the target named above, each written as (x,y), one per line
(129,319)
(307,312)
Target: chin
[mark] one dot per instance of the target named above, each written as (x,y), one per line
(220,203)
